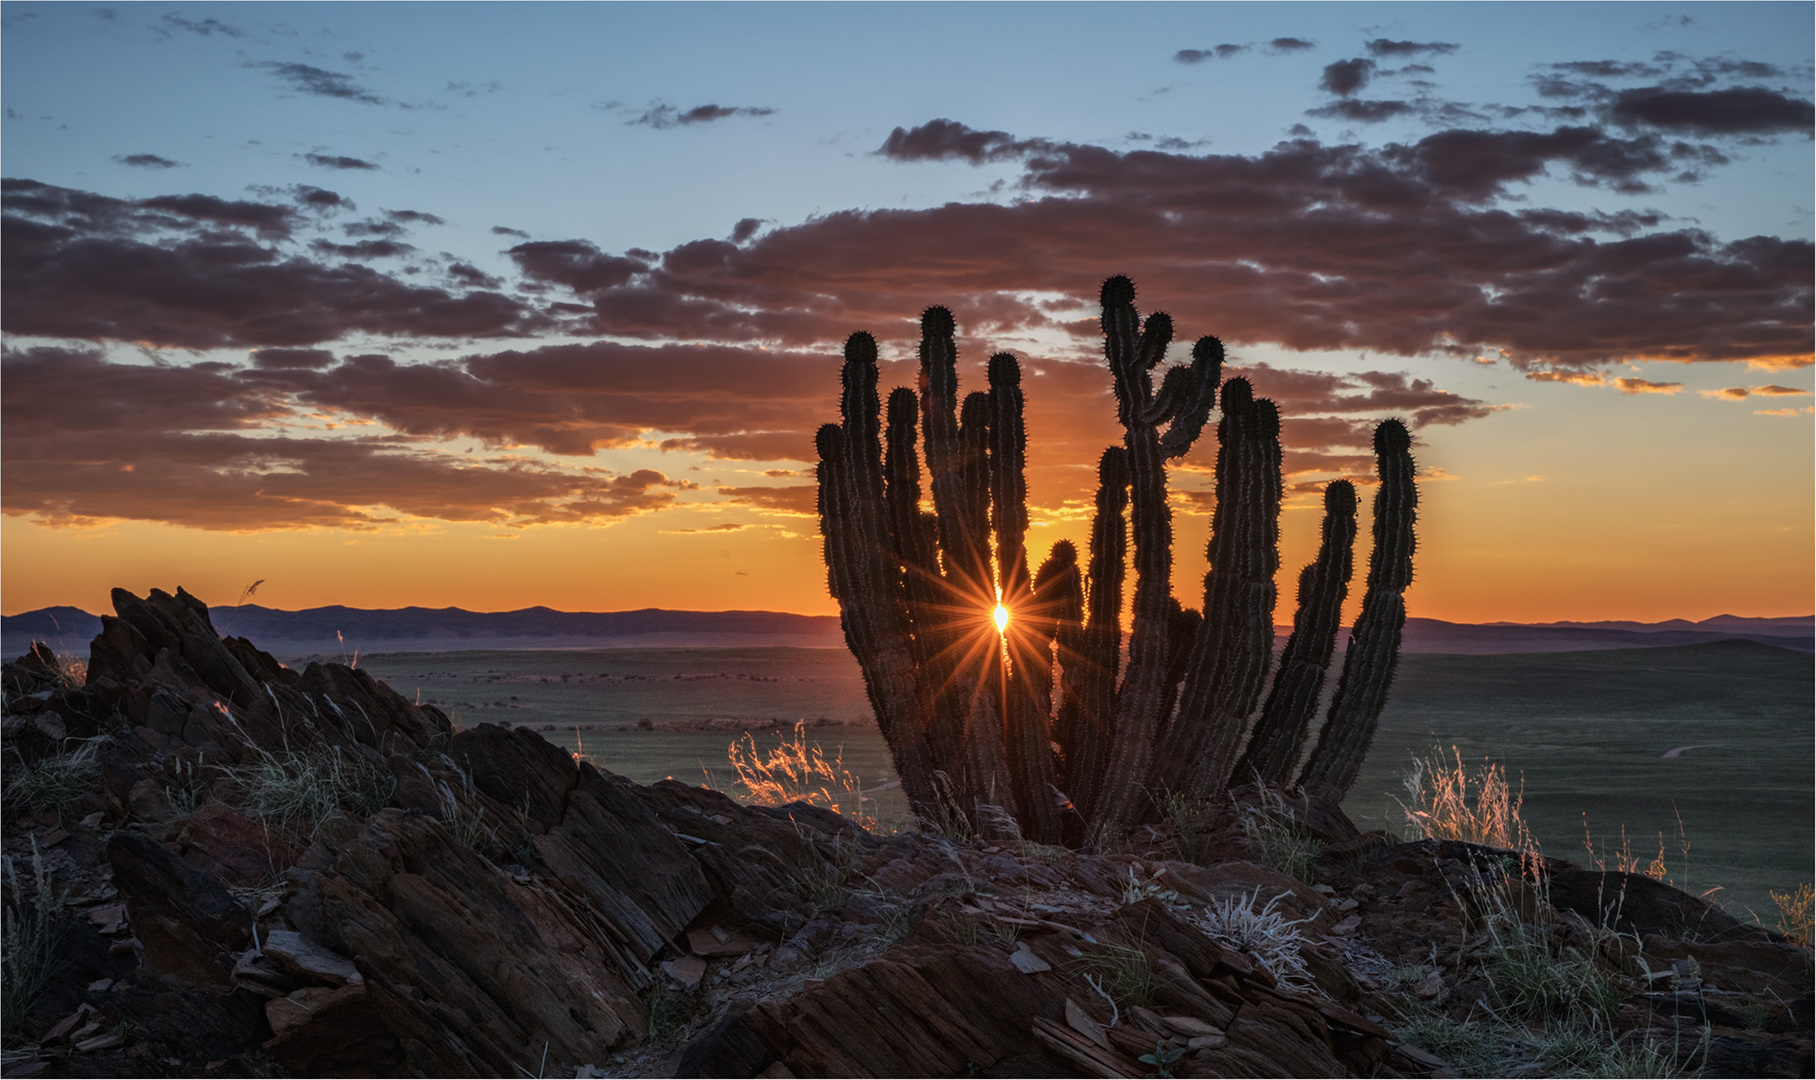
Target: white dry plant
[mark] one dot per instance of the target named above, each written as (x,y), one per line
(1268,937)
(51,783)
(28,955)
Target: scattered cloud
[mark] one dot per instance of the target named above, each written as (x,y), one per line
(414,217)
(1778,391)
(200,27)
(668,116)
(1215,52)
(1805,411)
(1732,393)
(1748,110)
(337,161)
(317,82)
(1647,386)
(1290,45)
(1362,112)
(1739,393)
(947,140)
(501,230)
(1345,77)
(147,161)
(1385,47)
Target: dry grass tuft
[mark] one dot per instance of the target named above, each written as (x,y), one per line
(1796,912)
(1448,803)
(799,771)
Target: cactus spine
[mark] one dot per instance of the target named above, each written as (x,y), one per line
(973,718)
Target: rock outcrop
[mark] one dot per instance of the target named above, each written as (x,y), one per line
(241,869)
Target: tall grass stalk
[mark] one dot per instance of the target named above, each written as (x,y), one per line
(28,958)
(1447,802)
(799,771)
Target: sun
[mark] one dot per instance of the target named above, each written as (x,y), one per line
(1002,619)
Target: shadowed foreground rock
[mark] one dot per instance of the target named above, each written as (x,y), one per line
(480,903)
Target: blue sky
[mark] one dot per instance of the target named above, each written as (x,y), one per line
(632,133)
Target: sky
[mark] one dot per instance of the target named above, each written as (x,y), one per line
(493,306)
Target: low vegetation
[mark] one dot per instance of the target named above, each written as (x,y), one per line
(303,788)
(28,958)
(49,784)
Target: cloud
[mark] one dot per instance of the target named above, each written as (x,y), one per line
(292,358)
(315,198)
(1215,52)
(1806,410)
(577,264)
(796,500)
(745,229)
(147,161)
(500,230)
(414,217)
(1647,386)
(190,272)
(1362,112)
(723,527)
(1751,110)
(364,249)
(318,82)
(1385,47)
(87,440)
(946,140)
(200,27)
(337,161)
(667,116)
(1738,393)
(1345,77)
(1290,44)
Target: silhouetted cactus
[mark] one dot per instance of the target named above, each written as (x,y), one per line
(1042,725)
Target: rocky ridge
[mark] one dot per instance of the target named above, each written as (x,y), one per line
(243,869)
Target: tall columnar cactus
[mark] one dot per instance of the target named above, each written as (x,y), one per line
(1041,723)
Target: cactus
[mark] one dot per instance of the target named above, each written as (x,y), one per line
(1040,726)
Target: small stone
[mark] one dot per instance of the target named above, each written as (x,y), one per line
(53,838)
(1429,988)
(1205,1042)
(100,986)
(101,1042)
(297,953)
(1347,926)
(1026,962)
(1190,1026)
(109,918)
(1347,905)
(93,821)
(685,970)
(1080,1021)
(1324,890)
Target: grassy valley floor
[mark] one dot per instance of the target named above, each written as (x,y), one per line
(1587,732)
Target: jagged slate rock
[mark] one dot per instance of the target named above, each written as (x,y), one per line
(119,652)
(224,842)
(298,954)
(917,1012)
(760,864)
(1291,1036)
(196,1022)
(416,786)
(40,661)
(373,713)
(519,769)
(261,665)
(1202,957)
(1740,1054)
(729,1048)
(1640,905)
(190,925)
(320,1029)
(471,971)
(1752,963)
(610,848)
(180,624)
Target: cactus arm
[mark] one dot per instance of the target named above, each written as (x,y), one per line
(939,425)
(1027,687)
(1188,420)
(1090,684)
(1138,700)
(1374,645)
(1279,736)
(1230,659)
(862,576)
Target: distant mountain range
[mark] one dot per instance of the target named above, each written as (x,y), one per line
(336,630)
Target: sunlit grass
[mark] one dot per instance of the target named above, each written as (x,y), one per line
(799,771)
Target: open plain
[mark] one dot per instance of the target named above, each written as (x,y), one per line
(1587,733)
